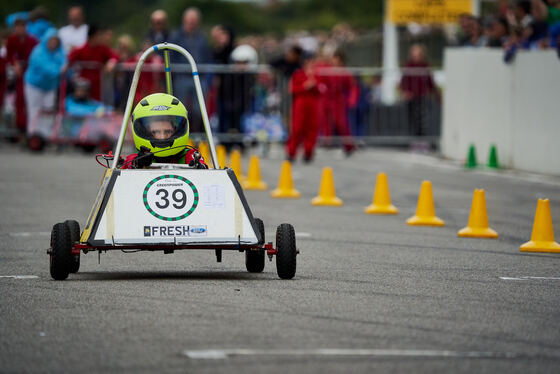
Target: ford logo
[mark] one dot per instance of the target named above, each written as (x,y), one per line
(198,230)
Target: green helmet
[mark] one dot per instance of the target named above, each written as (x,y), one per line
(160,123)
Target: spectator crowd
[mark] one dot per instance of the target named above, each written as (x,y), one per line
(71,63)
(518,24)
(40,63)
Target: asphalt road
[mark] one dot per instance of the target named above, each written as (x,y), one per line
(371,294)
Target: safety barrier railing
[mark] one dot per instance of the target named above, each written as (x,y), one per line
(254,103)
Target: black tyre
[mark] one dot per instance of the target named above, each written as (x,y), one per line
(36,143)
(287,252)
(61,251)
(260,227)
(74,228)
(255,258)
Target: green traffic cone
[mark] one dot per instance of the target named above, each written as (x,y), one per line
(471,158)
(493,158)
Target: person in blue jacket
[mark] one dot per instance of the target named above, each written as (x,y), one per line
(42,78)
(80,104)
(38,22)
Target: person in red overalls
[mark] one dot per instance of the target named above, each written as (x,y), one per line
(95,52)
(18,48)
(322,65)
(306,88)
(342,94)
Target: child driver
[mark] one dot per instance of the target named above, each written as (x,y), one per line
(161,132)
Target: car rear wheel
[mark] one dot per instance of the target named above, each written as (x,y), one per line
(255,258)
(74,228)
(286,251)
(36,143)
(61,251)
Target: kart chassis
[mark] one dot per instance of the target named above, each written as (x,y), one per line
(229,223)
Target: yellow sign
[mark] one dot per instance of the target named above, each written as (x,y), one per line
(426,11)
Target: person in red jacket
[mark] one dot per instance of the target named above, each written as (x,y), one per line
(342,94)
(417,88)
(150,77)
(306,88)
(95,56)
(18,49)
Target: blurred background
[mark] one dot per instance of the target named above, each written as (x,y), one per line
(429,75)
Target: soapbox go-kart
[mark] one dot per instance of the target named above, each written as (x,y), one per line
(169,207)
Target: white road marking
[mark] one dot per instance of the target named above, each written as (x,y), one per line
(19,276)
(528,278)
(303,235)
(221,354)
(28,234)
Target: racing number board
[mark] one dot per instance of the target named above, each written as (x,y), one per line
(180,206)
(170,197)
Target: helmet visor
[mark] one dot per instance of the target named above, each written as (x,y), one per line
(161,131)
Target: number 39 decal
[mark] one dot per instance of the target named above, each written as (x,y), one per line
(170,197)
(180,202)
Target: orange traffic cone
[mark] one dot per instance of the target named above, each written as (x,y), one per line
(478,219)
(205,152)
(235,164)
(285,187)
(425,210)
(381,203)
(221,154)
(327,192)
(542,238)
(254,181)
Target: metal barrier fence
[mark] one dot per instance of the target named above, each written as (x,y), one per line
(254,103)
